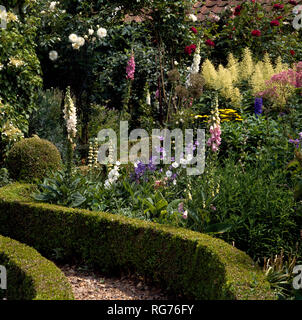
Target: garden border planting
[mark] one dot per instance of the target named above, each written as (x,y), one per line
(195,265)
(29,275)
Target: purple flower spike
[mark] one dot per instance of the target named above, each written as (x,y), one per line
(258,106)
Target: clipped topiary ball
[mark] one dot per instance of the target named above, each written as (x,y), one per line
(32,158)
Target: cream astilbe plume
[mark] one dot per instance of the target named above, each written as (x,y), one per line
(236,97)
(257,81)
(280,66)
(246,65)
(209,73)
(268,69)
(233,67)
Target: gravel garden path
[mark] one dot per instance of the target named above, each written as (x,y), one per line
(88,285)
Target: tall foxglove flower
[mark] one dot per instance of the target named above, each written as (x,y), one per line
(130,69)
(195,65)
(215,140)
(70,116)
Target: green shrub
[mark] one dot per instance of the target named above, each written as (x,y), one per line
(32,158)
(29,275)
(259,204)
(193,264)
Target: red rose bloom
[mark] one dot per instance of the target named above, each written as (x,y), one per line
(275,23)
(280,17)
(278,6)
(256,33)
(193,29)
(237,10)
(193,47)
(293,2)
(210,43)
(292,52)
(190,49)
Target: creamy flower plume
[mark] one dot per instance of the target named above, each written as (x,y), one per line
(70,116)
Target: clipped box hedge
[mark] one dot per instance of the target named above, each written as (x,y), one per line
(189,263)
(29,275)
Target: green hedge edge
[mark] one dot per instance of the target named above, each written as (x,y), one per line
(29,275)
(193,264)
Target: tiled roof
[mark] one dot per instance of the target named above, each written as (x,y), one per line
(203,8)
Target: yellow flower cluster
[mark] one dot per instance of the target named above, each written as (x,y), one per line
(225,79)
(224,114)
(263,71)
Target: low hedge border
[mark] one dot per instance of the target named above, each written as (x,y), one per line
(189,263)
(29,275)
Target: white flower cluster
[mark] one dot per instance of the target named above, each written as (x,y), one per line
(77,42)
(52,5)
(112,176)
(195,65)
(70,116)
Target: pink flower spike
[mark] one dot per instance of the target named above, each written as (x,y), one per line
(130,69)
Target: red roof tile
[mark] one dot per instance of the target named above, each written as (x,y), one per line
(203,8)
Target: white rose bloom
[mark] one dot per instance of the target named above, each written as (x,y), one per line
(90,32)
(1,66)
(73,38)
(52,5)
(102,32)
(53,55)
(192,17)
(75,46)
(118,163)
(80,41)
(175,63)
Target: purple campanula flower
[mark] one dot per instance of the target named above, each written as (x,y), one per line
(258,106)
(296,142)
